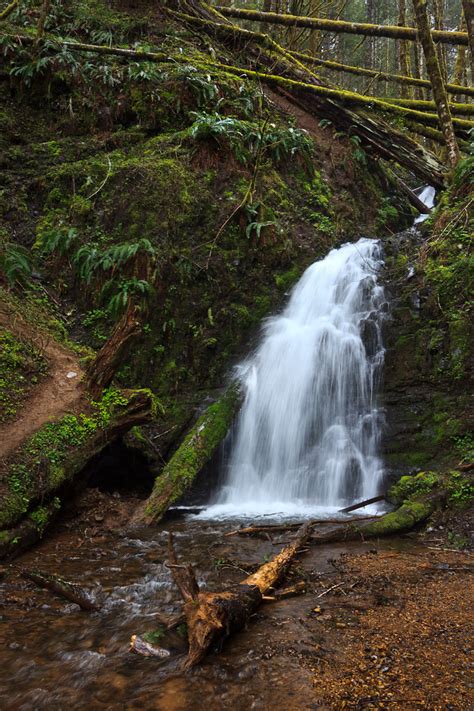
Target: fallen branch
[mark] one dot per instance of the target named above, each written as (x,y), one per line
(212,617)
(340,26)
(379,75)
(8,10)
(61,587)
(361,504)
(277,528)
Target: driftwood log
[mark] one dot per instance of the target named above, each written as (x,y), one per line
(61,587)
(211,617)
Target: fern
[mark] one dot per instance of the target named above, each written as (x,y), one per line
(15,264)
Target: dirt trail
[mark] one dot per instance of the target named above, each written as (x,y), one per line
(53,397)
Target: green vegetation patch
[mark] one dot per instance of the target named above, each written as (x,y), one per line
(55,452)
(22,366)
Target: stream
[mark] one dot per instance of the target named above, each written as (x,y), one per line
(55,656)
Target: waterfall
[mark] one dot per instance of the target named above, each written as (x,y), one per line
(307,437)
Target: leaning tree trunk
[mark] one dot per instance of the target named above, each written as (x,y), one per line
(107,361)
(468,7)
(439,91)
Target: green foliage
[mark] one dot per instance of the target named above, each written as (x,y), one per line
(15,264)
(412,487)
(21,367)
(465,446)
(460,489)
(246,137)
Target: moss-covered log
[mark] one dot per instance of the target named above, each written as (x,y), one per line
(340,26)
(446,122)
(456,89)
(191,456)
(9,9)
(457,109)
(50,460)
(350,98)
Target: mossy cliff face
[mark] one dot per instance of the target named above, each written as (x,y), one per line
(428,373)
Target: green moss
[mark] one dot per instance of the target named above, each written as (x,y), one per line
(22,366)
(404,518)
(193,453)
(50,456)
(409,487)
(285,280)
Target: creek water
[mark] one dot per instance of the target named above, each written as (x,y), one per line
(307,438)
(56,657)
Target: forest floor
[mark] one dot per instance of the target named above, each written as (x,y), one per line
(57,393)
(383,624)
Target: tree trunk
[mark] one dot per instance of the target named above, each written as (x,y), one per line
(212,617)
(42,18)
(403,51)
(193,453)
(468,7)
(107,361)
(460,66)
(353,28)
(438,6)
(439,92)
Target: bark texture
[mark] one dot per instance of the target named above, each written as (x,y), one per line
(439,92)
(353,28)
(212,617)
(107,361)
(468,8)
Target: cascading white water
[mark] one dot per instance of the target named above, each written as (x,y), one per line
(308,433)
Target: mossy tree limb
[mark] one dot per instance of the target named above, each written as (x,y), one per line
(9,9)
(455,88)
(191,456)
(340,26)
(434,72)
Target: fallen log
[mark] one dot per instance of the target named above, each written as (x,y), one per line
(340,26)
(189,459)
(277,528)
(211,617)
(456,89)
(361,504)
(61,587)
(8,10)
(375,134)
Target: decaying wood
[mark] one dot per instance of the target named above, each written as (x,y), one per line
(140,646)
(105,364)
(360,504)
(340,26)
(61,587)
(282,528)
(212,617)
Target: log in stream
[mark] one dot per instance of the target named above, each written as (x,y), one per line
(211,617)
